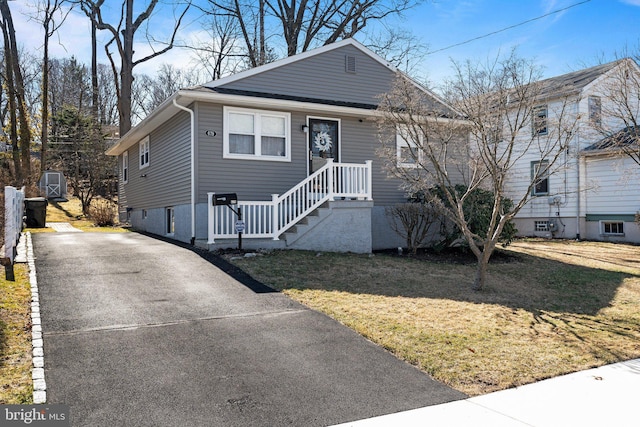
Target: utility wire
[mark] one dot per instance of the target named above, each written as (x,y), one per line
(510,27)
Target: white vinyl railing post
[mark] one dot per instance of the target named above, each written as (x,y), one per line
(210,218)
(275,214)
(369,182)
(330,171)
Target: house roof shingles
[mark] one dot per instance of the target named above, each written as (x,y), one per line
(573,83)
(626,137)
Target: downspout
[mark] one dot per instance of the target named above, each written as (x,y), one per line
(193,169)
(578,186)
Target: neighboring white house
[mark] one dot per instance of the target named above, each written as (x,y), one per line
(593,194)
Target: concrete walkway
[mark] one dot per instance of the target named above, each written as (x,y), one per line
(63,227)
(141,332)
(604,396)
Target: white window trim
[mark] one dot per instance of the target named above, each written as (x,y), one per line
(537,176)
(143,149)
(125,167)
(257,134)
(402,142)
(603,233)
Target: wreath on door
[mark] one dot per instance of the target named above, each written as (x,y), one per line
(323,141)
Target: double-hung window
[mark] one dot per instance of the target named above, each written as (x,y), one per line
(540,177)
(408,152)
(256,134)
(539,121)
(125,167)
(595,110)
(144,152)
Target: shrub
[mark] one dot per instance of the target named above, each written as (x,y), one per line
(477,208)
(102,213)
(415,221)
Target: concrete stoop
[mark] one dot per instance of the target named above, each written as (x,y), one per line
(336,226)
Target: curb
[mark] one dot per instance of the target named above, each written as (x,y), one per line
(39,384)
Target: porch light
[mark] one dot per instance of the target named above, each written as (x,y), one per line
(305,128)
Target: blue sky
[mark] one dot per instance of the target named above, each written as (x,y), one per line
(561,42)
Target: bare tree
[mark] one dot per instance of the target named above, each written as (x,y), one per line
(302,24)
(20,132)
(615,111)
(79,150)
(400,47)
(222,54)
(154,91)
(122,36)
(51,15)
(431,149)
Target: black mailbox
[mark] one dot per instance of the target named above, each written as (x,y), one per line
(225,199)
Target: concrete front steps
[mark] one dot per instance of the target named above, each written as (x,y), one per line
(335,226)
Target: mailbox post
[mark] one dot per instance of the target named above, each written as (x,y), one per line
(229,199)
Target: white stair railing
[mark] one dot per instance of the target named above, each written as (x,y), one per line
(269,219)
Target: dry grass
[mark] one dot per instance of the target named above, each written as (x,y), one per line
(71,212)
(556,307)
(15,338)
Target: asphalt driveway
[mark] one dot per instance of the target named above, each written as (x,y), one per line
(141,332)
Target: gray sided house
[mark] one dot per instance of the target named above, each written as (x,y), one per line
(294,140)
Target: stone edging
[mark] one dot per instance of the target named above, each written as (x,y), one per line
(39,384)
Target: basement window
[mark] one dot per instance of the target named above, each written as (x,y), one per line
(612,228)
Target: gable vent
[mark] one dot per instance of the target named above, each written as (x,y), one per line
(350,64)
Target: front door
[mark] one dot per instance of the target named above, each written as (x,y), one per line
(324,135)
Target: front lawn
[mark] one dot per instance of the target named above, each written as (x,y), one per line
(15,338)
(549,308)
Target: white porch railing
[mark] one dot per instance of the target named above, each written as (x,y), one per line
(269,219)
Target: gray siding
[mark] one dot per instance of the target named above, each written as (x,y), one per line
(250,179)
(258,179)
(167,181)
(360,143)
(324,77)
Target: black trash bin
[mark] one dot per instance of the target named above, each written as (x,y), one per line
(35,211)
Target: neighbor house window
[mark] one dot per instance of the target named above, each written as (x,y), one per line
(612,227)
(125,167)
(595,110)
(540,177)
(144,153)
(256,134)
(407,151)
(171,221)
(541,225)
(539,122)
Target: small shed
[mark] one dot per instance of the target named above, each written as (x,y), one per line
(53,185)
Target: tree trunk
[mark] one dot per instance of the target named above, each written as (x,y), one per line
(44,136)
(126,71)
(94,72)
(11,100)
(18,86)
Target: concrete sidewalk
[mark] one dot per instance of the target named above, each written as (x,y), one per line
(604,396)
